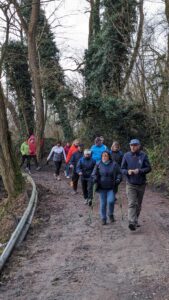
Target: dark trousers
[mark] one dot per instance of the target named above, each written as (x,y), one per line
(34,159)
(57,167)
(75,178)
(87,188)
(27,158)
(135,195)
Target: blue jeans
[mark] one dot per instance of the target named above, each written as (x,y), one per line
(67,169)
(107,197)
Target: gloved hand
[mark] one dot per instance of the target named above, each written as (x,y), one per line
(117,181)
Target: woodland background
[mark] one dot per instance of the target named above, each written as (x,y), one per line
(121,90)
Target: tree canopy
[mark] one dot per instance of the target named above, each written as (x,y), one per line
(123,91)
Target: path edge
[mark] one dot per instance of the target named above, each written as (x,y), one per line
(22,228)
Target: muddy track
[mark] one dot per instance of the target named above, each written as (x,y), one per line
(69,255)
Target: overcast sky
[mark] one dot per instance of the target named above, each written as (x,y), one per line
(72,37)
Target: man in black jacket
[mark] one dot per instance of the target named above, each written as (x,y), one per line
(135,165)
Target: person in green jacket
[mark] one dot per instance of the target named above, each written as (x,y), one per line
(25,155)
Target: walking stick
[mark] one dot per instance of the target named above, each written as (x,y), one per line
(93,202)
(121,206)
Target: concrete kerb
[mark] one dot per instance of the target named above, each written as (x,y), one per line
(23,226)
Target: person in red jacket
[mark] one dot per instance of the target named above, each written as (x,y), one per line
(67,148)
(73,149)
(32,150)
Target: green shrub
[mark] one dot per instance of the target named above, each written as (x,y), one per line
(160,165)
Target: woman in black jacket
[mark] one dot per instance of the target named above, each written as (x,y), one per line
(84,169)
(107,175)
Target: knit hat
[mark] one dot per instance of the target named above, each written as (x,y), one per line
(87,152)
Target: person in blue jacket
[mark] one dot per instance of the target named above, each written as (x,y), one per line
(97,149)
(106,175)
(135,165)
(84,169)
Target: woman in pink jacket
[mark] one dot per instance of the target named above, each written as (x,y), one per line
(32,150)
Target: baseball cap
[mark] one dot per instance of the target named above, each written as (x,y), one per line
(135,142)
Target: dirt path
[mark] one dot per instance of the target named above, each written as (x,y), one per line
(67,257)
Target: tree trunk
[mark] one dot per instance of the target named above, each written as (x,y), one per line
(164,97)
(96,17)
(90,36)
(35,73)
(13,112)
(137,46)
(63,116)
(25,110)
(9,169)
(94,20)
(167,10)
(30,30)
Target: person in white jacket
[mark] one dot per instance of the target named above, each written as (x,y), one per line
(58,154)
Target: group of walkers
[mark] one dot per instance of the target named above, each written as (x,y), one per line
(99,169)
(102,169)
(28,152)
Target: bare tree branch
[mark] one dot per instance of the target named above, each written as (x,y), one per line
(136,49)
(17,7)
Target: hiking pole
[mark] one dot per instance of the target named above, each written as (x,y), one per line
(121,206)
(93,202)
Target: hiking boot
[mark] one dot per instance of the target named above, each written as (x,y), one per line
(38,168)
(111,219)
(86,201)
(58,178)
(104,222)
(132,227)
